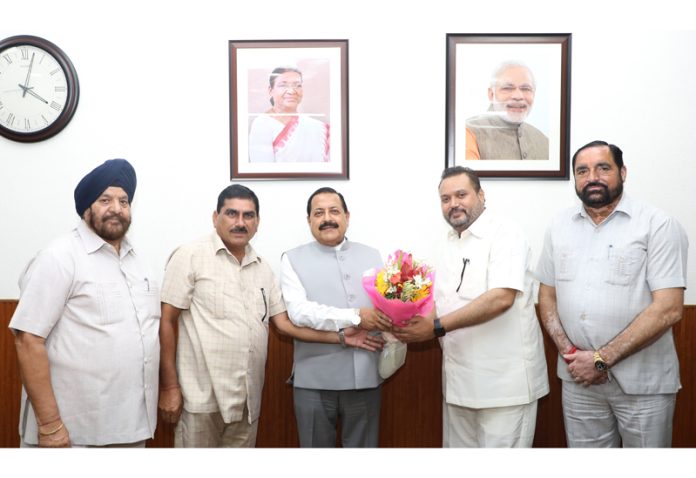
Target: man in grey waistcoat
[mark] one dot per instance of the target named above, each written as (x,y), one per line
(322,287)
(502,132)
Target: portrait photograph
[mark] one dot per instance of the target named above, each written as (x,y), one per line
(508,104)
(289,109)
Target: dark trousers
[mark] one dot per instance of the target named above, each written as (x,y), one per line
(318,412)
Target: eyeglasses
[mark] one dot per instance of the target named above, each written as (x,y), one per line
(465,261)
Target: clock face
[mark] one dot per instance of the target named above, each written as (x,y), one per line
(38,89)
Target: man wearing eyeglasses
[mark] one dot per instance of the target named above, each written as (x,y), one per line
(502,132)
(222,294)
(492,348)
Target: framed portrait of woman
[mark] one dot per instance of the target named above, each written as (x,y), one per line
(288,109)
(508,104)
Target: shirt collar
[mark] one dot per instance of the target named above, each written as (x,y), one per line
(249,252)
(625,206)
(343,246)
(479,228)
(93,242)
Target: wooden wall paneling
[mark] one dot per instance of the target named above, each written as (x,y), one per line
(411,414)
(277,426)
(684,433)
(10,381)
(411,399)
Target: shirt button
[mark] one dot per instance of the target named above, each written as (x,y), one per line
(583,316)
(351,298)
(524,155)
(346,276)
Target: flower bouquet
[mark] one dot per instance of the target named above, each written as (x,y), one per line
(401,290)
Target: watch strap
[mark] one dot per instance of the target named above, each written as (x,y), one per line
(438,329)
(599,362)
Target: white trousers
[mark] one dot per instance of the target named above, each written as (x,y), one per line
(603,416)
(500,427)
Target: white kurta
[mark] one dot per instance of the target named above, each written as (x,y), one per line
(500,362)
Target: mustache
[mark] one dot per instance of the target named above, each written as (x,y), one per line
(327,225)
(239,229)
(456,209)
(116,216)
(593,185)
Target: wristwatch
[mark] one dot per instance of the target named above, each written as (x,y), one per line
(438,329)
(599,363)
(342,337)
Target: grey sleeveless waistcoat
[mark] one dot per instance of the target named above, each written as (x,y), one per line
(334,278)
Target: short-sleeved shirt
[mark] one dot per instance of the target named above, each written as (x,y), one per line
(99,313)
(604,275)
(501,362)
(223,327)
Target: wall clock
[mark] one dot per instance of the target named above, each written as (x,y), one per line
(39,89)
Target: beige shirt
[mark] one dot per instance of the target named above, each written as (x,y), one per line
(99,313)
(223,327)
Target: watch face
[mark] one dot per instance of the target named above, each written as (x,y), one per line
(38,89)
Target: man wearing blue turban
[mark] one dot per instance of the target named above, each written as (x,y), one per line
(86,327)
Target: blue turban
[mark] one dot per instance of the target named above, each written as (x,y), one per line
(114,172)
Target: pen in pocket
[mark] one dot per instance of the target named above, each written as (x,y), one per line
(265,304)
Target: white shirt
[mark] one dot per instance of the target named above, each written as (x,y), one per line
(305,313)
(99,312)
(500,362)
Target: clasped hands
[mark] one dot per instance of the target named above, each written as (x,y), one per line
(582,368)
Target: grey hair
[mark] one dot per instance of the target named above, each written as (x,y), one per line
(507,65)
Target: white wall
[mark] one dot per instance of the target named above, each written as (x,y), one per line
(154,89)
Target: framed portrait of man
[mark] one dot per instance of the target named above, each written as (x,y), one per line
(288,109)
(508,104)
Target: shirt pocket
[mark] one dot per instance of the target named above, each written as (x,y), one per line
(114,301)
(256,303)
(625,264)
(229,301)
(472,279)
(567,265)
(146,294)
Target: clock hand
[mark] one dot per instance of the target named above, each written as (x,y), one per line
(31,92)
(26,82)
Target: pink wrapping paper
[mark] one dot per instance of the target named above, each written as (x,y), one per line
(398,311)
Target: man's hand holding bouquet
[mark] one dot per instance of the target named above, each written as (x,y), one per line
(401,290)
